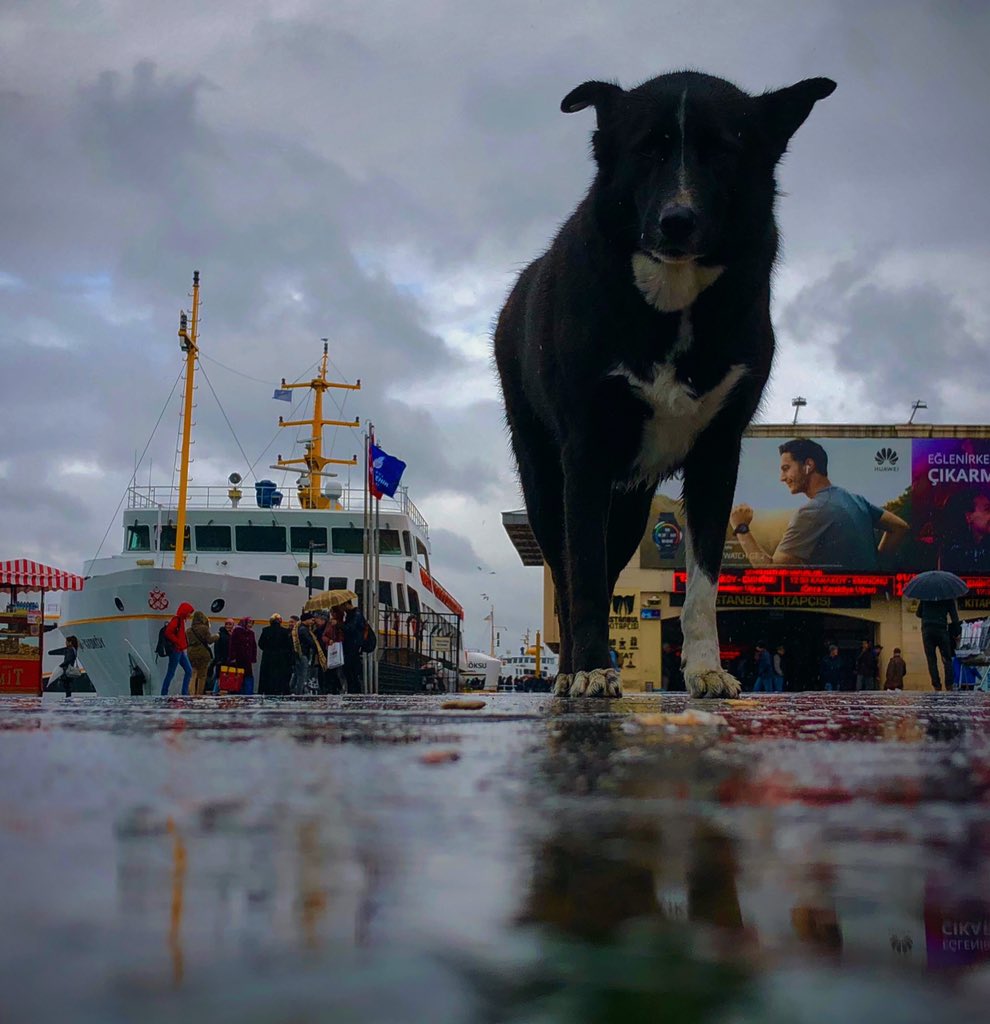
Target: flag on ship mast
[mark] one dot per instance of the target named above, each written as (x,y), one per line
(283,394)
(384,471)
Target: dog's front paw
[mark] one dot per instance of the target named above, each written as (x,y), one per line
(599,682)
(711,682)
(562,684)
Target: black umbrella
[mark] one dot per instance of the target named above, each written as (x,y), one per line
(935,585)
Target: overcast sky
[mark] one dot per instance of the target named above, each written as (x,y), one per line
(377,173)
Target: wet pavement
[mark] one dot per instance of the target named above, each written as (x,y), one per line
(788,858)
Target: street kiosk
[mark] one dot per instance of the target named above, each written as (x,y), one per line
(22,621)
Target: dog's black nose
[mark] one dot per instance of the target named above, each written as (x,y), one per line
(678,223)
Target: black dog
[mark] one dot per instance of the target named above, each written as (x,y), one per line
(640,343)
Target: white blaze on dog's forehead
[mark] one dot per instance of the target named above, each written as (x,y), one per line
(681,122)
(678,415)
(671,286)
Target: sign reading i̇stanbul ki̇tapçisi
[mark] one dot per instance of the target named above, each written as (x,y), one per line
(824,510)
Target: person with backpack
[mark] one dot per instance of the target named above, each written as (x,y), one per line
(172,643)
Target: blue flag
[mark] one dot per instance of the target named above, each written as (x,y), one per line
(386,472)
(283,394)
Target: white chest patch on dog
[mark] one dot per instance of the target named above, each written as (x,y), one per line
(671,286)
(679,414)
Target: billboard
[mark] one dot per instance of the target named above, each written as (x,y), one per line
(951,503)
(883,505)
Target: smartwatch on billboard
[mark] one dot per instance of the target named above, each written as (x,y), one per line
(741,528)
(667,535)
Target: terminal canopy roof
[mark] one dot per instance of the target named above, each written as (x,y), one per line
(24,574)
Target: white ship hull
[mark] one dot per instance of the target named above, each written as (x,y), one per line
(108,634)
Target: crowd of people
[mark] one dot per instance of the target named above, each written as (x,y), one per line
(296,657)
(765,669)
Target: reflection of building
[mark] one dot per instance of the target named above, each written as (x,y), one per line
(917,472)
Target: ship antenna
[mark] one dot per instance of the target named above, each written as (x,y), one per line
(311,494)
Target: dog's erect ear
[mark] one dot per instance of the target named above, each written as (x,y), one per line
(786,109)
(600,95)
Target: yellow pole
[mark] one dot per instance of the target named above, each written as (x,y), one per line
(187,334)
(538,646)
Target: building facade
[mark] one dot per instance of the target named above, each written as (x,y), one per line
(831,586)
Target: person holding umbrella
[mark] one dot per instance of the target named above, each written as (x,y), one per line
(936,593)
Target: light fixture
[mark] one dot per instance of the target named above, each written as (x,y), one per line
(798,403)
(915,406)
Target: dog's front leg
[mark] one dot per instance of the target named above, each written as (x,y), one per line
(586,502)
(709,483)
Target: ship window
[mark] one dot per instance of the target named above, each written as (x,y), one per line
(347,540)
(413,600)
(269,579)
(293,581)
(406,543)
(301,536)
(260,538)
(212,538)
(400,591)
(138,538)
(388,542)
(314,582)
(337,583)
(166,539)
(385,593)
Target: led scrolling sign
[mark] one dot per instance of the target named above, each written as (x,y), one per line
(819,583)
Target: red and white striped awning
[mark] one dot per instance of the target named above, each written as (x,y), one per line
(28,575)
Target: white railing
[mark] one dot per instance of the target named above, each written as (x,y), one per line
(166,498)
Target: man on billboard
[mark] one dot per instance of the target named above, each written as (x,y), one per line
(966,534)
(834,529)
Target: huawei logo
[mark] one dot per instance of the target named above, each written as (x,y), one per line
(901,943)
(886,460)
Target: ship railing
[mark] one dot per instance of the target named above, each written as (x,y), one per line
(166,498)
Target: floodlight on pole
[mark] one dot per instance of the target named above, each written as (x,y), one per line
(915,406)
(797,403)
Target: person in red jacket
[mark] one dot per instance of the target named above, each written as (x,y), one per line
(177,645)
(243,652)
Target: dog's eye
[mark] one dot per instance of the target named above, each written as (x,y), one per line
(656,144)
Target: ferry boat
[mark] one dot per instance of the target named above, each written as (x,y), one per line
(253,554)
(523,664)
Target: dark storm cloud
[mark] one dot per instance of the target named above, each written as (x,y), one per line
(377,175)
(899,341)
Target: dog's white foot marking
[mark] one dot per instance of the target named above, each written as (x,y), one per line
(562,684)
(599,682)
(711,682)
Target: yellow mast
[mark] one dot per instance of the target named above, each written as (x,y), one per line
(310,494)
(188,330)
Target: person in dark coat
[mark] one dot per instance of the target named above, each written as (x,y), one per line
(275,645)
(243,652)
(221,651)
(353,625)
(896,671)
(939,622)
(866,667)
(832,671)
